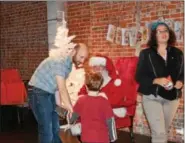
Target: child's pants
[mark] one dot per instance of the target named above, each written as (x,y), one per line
(160,113)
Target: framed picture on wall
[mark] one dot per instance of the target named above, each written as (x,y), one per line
(148,26)
(118,35)
(178,29)
(125,36)
(144,34)
(160,19)
(170,23)
(139,35)
(133,36)
(111,33)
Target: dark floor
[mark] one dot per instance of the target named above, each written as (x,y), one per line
(27,132)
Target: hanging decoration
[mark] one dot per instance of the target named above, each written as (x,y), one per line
(111,33)
(170,23)
(138,19)
(125,36)
(133,36)
(118,35)
(178,29)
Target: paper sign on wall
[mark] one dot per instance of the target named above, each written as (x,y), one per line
(178,29)
(111,33)
(133,36)
(125,36)
(118,36)
(170,23)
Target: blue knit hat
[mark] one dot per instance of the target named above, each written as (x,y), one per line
(156,24)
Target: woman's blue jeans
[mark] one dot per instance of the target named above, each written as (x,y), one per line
(43,106)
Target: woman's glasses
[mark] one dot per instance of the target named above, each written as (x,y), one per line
(161,32)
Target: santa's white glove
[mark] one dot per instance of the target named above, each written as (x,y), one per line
(120,112)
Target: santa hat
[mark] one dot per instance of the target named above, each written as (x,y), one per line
(100,60)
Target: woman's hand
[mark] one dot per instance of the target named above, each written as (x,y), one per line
(178,84)
(161,81)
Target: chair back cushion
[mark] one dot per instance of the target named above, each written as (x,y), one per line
(13,91)
(10,75)
(126,67)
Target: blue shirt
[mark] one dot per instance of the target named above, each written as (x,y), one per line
(44,76)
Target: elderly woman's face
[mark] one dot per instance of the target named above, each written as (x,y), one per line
(98,68)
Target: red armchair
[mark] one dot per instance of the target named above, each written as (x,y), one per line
(13,91)
(126,67)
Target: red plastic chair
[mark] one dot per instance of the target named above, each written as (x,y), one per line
(126,67)
(13,91)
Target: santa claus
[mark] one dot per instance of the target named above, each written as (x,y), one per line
(112,85)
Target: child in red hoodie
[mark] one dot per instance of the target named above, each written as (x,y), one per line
(95,112)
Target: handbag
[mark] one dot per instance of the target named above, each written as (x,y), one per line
(74,128)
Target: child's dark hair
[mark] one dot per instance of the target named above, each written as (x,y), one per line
(93,81)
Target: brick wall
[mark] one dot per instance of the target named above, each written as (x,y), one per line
(89,21)
(23,35)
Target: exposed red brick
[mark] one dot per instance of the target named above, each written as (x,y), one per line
(176,15)
(24,36)
(171,6)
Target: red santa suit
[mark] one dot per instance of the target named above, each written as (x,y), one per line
(112,87)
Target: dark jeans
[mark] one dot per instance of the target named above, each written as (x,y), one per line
(43,106)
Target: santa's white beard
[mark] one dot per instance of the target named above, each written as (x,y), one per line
(106,77)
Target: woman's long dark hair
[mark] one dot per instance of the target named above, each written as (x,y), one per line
(152,42)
